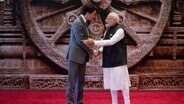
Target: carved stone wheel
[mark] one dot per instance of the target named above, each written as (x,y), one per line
(49,25)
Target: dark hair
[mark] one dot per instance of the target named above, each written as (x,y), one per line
(88,9)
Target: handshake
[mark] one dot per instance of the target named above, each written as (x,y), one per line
(90,42)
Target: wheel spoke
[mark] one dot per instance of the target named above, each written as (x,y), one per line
(64,27)
(131,33)
(143,15)
(38,18)
(153,20)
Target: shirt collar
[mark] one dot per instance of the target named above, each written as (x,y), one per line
(83,18)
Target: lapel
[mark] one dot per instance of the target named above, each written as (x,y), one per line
(85,25)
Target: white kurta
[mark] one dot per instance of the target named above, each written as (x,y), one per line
(115,78)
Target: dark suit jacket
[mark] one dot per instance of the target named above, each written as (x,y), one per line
(77,50)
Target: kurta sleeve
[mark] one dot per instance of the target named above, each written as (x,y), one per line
(115,38)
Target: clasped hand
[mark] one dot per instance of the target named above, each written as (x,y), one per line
(90,42)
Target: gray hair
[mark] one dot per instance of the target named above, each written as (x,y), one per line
(115,16)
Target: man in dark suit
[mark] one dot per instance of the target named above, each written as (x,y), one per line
(77,55)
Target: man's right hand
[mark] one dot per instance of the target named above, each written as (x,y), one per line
(89,42)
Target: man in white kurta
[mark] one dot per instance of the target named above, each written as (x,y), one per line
(116,77)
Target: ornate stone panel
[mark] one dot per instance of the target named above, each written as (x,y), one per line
(47,82)
(152,14)
(155,81)
(169,81)
(52,82)
(14,82)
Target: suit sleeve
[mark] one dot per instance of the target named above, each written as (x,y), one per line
(79,34)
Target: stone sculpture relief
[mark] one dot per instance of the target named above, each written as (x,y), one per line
(48,26)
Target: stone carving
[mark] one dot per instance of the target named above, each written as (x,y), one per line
(94,85)
(134,81)
(59,82)
(103,4)
(37,82)
(48,84)
(21,62)
(17,82)
(160,81)
(127,9)
(179,13)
